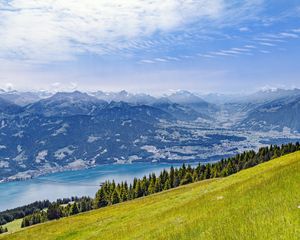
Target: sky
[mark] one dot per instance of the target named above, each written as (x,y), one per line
(153,46)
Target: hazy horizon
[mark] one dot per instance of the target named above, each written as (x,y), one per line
(155,94)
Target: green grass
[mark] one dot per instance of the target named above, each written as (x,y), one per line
(257,203)
(13,226)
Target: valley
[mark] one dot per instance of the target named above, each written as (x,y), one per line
(72,131)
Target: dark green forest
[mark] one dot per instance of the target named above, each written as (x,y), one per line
(20,212)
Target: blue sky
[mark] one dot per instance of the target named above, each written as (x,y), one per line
(150,46)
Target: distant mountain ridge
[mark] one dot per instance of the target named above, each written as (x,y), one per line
(75,103)
(7,107)
(279,114)
(24,98)
(73,130)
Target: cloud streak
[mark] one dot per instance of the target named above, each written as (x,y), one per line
(58,30)
(46,31)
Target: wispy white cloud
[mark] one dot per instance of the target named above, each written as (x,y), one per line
(161,60)
(147,61)
(172,58)
(244,29)
(264,39)
(45,31)
(58,30)
(269,40)
(297,30)
(221,53)
(289,35)
(250,46)
(240,49)
(232,52)
(265,51)
(205,55)
(267,44)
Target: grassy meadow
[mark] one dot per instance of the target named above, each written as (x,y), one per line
(262,202)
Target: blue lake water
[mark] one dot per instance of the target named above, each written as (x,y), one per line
(71,183)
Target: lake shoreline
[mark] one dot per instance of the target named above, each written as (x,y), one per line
(84,182)
(31,174)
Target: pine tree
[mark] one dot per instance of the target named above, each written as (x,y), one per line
(25,222)
(138,190)
(195,176)
(123,193)
(151,188)
(187,179)
(83,206)
(172,176)
(115,197)
(100,199)
(74,209)
(158,187)
(276,153)
(54,212)
(167,184)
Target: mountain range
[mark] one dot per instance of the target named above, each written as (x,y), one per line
(42,132)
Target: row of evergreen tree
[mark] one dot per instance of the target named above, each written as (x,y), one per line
(20,212)
(58,210)
(111,193)
(23,211)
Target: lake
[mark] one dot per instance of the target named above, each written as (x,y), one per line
(72,183)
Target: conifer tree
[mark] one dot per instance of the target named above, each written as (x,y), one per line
(100,199)
(151,188)
(74,209)
(158,187)
(167,184)
(115,197)
(138,190)
(54,212)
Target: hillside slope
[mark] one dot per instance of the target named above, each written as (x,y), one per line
(259,203)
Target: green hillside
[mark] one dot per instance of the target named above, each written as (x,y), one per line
(262,202)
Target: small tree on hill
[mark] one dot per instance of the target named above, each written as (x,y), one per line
(74,209)
(54,212)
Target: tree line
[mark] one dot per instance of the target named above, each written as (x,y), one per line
(58,210)
(112,193)
(20,212)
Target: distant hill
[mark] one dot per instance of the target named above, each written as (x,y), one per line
(124,96)
(24,98)
(193,101)
(8,108)
(279,114)
(67,104)
(258,203)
